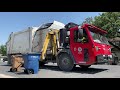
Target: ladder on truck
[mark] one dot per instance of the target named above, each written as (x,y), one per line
(51,37)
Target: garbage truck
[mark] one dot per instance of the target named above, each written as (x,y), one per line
(76,45)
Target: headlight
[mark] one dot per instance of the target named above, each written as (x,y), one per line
(103,55)
(110,56)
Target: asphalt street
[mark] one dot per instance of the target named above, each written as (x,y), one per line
(52,71)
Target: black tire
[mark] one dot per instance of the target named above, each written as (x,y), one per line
(14,69)
(74,66)
(115,59)
(41,63)
(64,62)
(84,66)
(30,71)
(25,71)
(22,65)
(10,69)
(115,62)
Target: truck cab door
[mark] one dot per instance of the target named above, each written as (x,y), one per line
(79,46)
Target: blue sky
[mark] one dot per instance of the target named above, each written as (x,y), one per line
(17,21)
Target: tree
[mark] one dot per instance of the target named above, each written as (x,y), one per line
(3,50)
(88,20)
(109,21)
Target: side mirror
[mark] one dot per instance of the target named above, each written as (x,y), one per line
(80,32)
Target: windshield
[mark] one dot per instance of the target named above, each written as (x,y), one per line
(99,38)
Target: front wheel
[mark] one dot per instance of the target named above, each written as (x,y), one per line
(64,62)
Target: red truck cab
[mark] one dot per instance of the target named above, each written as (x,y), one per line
(95,49)
(83,45)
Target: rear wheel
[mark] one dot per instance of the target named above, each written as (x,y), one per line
(41,63)
(115,62)
(84,66)
(10,69)
(115,59)
(64,62)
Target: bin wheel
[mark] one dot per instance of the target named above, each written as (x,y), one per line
(10,69)
(14,70)
(30,71)
(25,71)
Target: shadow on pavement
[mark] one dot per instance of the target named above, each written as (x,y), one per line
(75,69)
(18,72)
(21,73)
(88,71)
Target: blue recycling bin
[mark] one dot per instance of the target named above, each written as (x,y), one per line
(31,63)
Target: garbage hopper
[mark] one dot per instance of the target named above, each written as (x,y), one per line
(31,63)
(17,62)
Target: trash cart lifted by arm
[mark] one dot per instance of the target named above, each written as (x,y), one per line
(51,38)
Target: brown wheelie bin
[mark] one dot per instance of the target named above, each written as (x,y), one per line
(17,62)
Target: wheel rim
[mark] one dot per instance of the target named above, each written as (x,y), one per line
(30,71)
(15,69)
(65,61)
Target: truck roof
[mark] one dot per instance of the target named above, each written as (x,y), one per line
(51,25)
(91,27)
(95,28)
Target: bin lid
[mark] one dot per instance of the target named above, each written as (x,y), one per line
(32,53)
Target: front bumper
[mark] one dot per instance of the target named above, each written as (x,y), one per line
(101,59)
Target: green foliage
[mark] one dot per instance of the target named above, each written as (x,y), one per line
(3,50)
(109,21)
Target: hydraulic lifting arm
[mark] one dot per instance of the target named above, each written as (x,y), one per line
(52,37)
